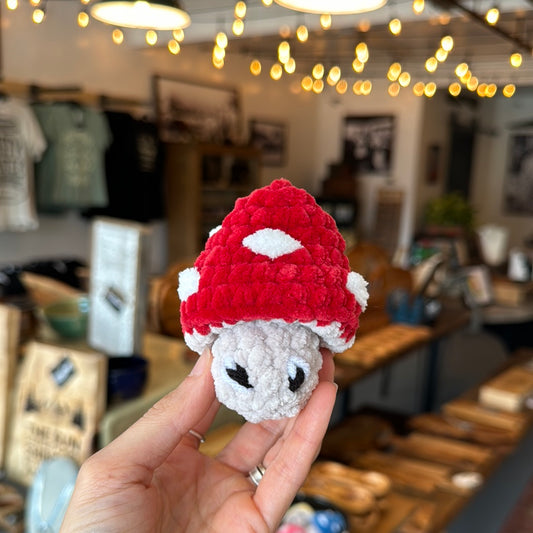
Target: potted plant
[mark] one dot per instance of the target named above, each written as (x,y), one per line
(449,214)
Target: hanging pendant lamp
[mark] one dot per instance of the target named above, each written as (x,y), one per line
(332,7)
(153,15)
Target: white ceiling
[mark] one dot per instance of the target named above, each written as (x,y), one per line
(484,49)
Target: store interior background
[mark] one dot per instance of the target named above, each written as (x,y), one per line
(59,53)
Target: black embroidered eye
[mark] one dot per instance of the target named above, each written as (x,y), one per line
(239,375)
(296,382)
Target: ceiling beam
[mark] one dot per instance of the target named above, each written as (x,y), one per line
(480,19)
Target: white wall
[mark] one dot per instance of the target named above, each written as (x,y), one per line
(491,158)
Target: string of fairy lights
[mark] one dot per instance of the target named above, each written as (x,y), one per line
(320,77)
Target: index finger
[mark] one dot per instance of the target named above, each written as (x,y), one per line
(288,470)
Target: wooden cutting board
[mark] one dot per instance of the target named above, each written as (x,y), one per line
(471,410)
(449,426)
(383,343)
(413,475)
(442,450)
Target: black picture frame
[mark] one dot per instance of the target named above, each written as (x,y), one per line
(192,111)
(518,183)
(368,143)
(271,139)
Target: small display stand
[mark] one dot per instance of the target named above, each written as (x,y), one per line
(118,286)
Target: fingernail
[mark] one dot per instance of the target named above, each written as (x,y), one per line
(200,365)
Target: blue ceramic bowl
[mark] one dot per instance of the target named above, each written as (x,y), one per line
(126,377)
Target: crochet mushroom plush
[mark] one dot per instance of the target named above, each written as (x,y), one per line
(271,288)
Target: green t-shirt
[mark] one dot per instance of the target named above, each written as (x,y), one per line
(71,173)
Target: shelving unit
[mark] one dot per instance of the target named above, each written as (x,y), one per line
(202,183)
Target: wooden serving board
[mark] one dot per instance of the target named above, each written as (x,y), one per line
(449,426)
(471,410)
(442,450)
(413,475)
(383,343)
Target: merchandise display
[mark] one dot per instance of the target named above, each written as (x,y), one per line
(271,288)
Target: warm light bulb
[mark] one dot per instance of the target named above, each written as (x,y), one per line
(267,3)
(418,6)
(318,86)
(394,71)
(430,89)
(366,87)
(12,4)
(276,71)
(516,59)
(395,26)
(151,37)
(318,71)
(455,88)
(466,77)
(472,84)
(404,79)
(441,55)
(237,27)
(179,35)
(218,63)
(509,90)
(394,89)
(240,10)
(284,51)
(307,83)
(255,67)
(431,64)
(284,31)
(492,16)
(447,43)
(461,69)
(290,65)
(302,33)
(482,90)
(35,3)
(334,75)
(364,25)
(173,47)
(491,90)
(221,39)
(83,19)
(361,52)
(219,52)
(37,16)
(341,87)
(325,21)
(117,36)
(418,88)
(356,88)
(358,66)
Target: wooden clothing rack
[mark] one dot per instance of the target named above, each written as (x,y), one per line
(72,93)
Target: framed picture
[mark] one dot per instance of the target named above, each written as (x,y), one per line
(518,184)
(478,286)
(271,139)
(368,143)
(188,111)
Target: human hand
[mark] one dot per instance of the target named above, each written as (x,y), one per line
(153,478)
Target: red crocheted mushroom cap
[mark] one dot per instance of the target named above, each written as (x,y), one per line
(276,256)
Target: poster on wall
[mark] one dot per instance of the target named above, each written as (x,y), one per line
(188,111)
(368,143)
(518,185)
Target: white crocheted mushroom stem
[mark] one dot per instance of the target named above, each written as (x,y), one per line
(330,336)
